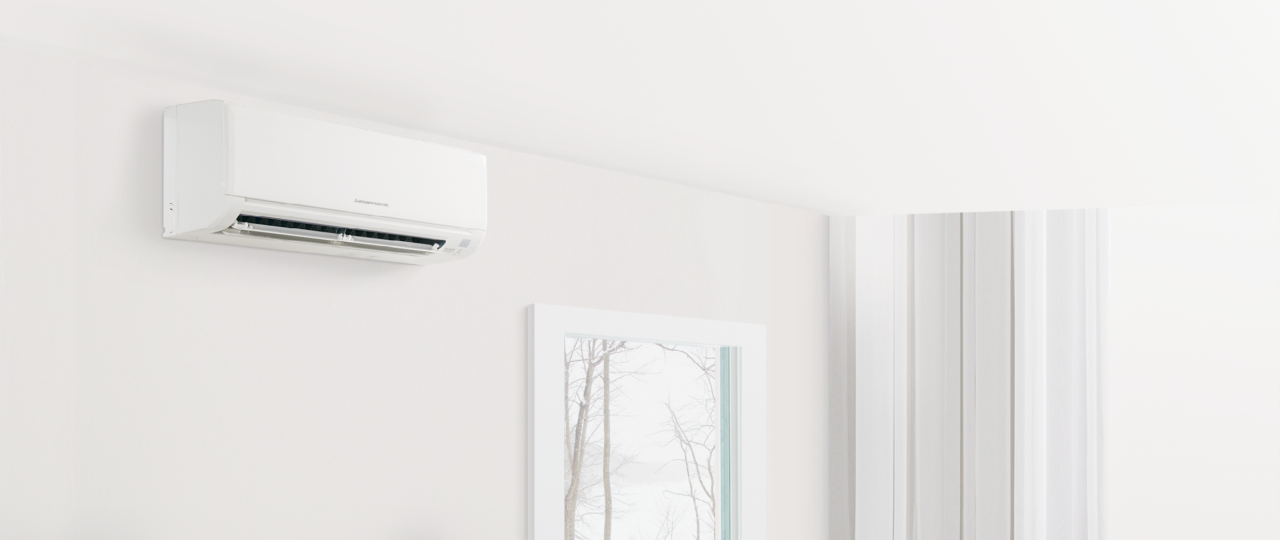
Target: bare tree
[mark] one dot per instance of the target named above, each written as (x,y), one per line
(671,518)
(696,433)
(587,361)
(608,446)
(577,439)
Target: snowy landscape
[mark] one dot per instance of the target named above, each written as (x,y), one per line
(642,441)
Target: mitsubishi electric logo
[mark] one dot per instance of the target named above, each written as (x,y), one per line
(371,202)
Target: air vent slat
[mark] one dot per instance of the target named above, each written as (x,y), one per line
(312,232)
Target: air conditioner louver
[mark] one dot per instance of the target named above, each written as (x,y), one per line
(297,231)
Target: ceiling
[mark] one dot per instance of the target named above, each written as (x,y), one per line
(840,107)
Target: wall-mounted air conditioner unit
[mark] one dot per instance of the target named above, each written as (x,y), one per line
(239,175)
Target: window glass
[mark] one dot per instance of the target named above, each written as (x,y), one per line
(648,441)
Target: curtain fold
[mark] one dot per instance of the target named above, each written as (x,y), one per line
(966,359)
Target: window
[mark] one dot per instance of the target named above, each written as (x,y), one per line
(645,426)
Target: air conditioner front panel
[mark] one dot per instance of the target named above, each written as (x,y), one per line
(299,161)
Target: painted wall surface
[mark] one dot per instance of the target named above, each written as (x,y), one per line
(1191,386)
(160,389)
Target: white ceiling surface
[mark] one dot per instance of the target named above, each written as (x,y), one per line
(840,107)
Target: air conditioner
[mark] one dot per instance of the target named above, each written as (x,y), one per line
(251,177)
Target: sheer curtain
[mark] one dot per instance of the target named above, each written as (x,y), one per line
(966,360)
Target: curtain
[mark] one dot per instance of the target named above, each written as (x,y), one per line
(966,360)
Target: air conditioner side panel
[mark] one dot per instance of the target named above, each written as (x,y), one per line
(169,187)
(196,168)
(299,161)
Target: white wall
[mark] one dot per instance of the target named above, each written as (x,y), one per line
(1192,381)
(157,389)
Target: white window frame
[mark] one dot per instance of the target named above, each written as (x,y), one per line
(548,327)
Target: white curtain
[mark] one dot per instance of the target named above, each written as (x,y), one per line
(966,362)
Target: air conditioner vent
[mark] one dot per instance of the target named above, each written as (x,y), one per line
(273,222)
(313,233)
